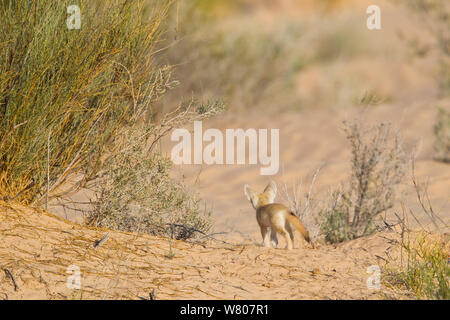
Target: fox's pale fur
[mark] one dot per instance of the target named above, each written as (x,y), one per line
(274,217)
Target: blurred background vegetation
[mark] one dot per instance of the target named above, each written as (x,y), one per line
(297,55)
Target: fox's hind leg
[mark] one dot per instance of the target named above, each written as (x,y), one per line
(265,235)
(273,237)
(286,235)
(289,230)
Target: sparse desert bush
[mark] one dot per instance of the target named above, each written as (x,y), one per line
(134,191)
(377,166)
(442,136)
(251,63)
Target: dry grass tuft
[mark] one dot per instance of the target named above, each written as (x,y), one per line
(64,94)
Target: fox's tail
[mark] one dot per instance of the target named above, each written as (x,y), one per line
(295,221)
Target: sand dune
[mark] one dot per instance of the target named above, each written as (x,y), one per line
(37,248)
(309,140)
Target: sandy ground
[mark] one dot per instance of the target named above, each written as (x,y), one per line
(37,249)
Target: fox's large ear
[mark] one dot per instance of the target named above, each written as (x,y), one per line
(251,195)
(271,191)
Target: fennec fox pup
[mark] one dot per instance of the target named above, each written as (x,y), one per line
(274,217)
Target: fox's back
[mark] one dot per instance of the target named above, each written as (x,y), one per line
(267,213)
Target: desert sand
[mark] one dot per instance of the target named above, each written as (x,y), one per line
(37,247)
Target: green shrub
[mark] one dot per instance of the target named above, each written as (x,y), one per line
(65,93)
